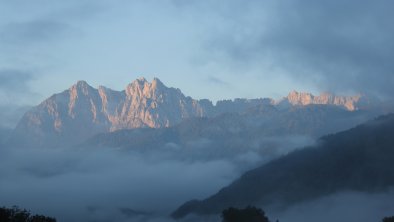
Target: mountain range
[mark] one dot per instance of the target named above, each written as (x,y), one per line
(76,114)
(263,132)
(160,123)
(359,159)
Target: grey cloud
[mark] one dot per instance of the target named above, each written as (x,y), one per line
(336,45)
(349,206)
(108,185)
(12,79)
(217,81)
(36,31)
(94,185)
(11,114)
(52,23)
(14,88)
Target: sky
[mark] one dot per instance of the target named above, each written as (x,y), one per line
(212,49)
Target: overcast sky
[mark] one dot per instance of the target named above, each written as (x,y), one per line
(213,49)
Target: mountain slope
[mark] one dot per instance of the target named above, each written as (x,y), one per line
(359,159)
(83,111)
(350,103)
(261,133)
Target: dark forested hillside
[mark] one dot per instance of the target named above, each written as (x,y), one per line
(359,159)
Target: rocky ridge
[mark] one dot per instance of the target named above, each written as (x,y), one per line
(350,103)
(83,111)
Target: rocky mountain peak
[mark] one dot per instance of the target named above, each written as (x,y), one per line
(81,87)
(82,111)
(157,84)
(304,98)
(143,88)
(300,98)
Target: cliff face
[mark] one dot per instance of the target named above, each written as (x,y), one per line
(154,105)
(350,103)
(83,111)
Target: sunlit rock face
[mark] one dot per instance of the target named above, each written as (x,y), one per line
(350,103)
(82,111)
(68,117)
(152,104)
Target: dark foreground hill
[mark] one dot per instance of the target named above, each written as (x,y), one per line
(359,159)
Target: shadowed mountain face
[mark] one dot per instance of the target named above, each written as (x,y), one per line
(82,111)
(264,132)
(359,159)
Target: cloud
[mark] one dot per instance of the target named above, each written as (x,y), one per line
(13,79)
(15,92)
(218,82)
(275,45)
(334,45)
(10,115)
(345,206)
(15,88)
(114,186)
(98,185)
(36,31)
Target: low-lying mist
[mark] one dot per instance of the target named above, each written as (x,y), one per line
(110,184)
(345,206)
(115,185)
(104,184)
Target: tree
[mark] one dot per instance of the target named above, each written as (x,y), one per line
(388,219)
(249,214)
(5,214)
(41,218)
(15,214)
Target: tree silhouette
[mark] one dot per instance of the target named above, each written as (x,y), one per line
(249,214)
(388,219)
(15,214)
(41,218)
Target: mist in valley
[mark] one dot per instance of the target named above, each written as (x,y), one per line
(108,184)
(105,184)
(101,185)
(260,80)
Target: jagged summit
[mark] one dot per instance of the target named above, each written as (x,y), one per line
(83,111)
(143,87)
(157,83)
(143,81)
(81,87)
(305,98)
(81,83)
